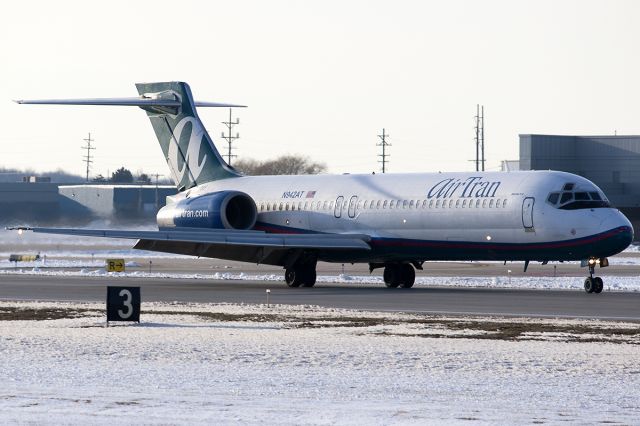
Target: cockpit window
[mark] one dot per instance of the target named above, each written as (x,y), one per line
(581,196)
(567,200)
(568,186)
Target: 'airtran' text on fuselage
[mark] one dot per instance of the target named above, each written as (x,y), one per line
(472,187)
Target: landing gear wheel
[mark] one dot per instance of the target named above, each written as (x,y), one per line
(391,276)
(408,275)
(292,277)
(309,278)
(598,285)
(589,285)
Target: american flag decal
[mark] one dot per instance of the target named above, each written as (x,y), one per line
(311,194)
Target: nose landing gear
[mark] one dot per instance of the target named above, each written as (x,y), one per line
(594,284)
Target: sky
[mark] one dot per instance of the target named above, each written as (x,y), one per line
(321,78)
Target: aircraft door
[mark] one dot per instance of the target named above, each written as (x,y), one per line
(337,211)
(352,206)
(527,213)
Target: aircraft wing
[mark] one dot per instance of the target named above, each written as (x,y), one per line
(223,237)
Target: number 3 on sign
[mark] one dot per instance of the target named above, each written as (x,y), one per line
(126,294)
(123,304)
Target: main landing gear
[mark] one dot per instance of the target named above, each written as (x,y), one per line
(594,284)
(301,274)
(399,275)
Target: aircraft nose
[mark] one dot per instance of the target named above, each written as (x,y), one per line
(618,224)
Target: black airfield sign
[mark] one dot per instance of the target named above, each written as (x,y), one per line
(123,304)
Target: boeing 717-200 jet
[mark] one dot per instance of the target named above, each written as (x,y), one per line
(392,221)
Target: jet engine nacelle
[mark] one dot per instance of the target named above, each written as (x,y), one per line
(218,210)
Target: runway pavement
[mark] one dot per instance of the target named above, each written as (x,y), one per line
(508,302)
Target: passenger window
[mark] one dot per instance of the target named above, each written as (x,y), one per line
(324,205)
(411,203)
(490,203)
(384,206)
(437,203)
(478,203)
(504,203)
(484,203)
(405,203)
(431,204)
(392,203)
(457,203)
(450,203)
(424,203)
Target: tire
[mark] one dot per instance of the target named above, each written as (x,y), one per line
(309,278)
(598,285)
(391,276)
(292,277)
(408,275)
(589,285)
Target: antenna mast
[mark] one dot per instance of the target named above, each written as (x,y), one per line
(230,138)
(87,158)
(384,144)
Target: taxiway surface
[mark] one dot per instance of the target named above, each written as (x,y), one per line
(468,301)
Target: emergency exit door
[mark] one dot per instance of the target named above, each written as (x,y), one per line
(527,213)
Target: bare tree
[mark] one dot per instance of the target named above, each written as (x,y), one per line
(283,165)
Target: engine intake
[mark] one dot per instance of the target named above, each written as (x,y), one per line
(218,210)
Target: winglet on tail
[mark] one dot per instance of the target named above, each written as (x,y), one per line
(189,150)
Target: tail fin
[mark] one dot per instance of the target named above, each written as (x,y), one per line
(186,145)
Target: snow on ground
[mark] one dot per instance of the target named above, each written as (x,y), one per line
(611,283)
(222,364)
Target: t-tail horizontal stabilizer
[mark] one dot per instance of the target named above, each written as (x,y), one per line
(189,150)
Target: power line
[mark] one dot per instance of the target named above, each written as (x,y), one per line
(87,157)
(384,144)
(230,138)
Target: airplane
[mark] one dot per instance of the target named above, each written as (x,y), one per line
(392,221)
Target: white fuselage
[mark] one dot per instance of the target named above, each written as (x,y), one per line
(488,208)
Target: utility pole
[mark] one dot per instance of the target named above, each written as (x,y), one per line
(479,138)
(87,158)
(384,144)
(157,175)
(482,134)
(230,138)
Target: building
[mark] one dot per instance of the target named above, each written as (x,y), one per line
(41,203)
(28,202)
(611,162)
(115,202)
